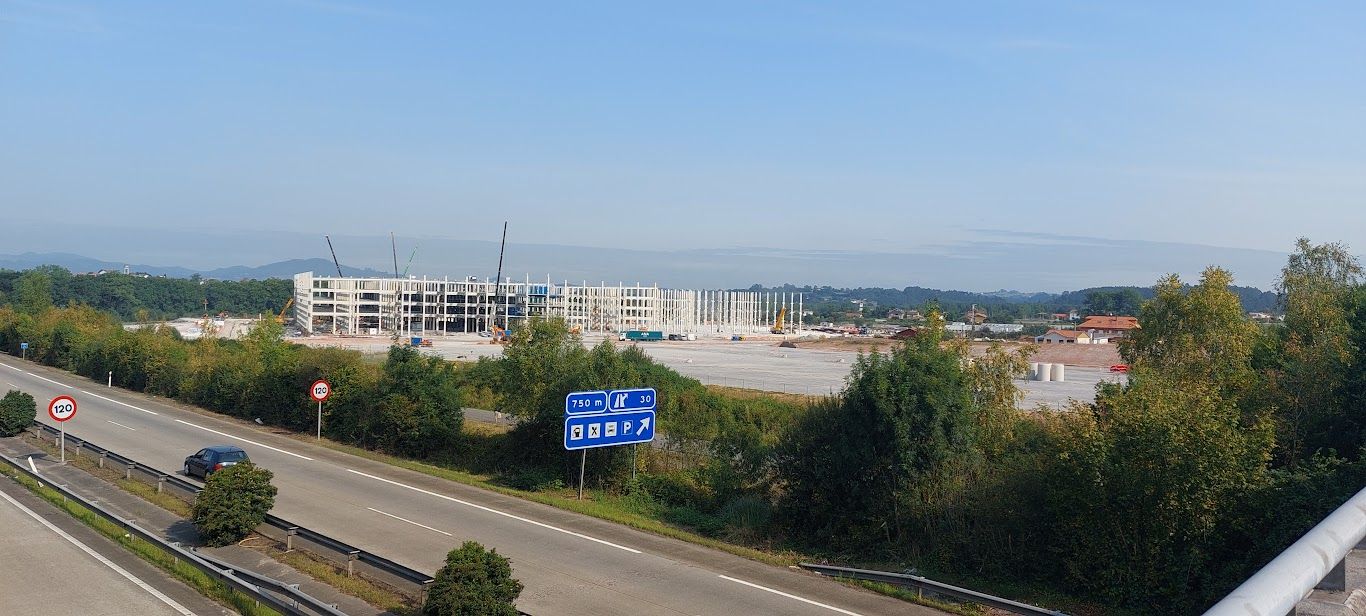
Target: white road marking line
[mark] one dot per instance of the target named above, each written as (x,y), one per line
(119,425)
(504,514)
(410,522)
(108,563)
(781,593)
(10,384)
(48,380)
(11,367)
(244,440)
(118,403)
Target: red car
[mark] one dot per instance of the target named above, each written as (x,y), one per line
(1119,368)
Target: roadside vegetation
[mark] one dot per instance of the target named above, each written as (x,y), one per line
(1229,441)
(232,504)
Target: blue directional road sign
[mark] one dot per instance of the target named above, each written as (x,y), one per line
(607,429)
(23,346)
(619,400)
(585,402)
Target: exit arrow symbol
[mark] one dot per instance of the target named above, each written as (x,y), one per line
(644,425)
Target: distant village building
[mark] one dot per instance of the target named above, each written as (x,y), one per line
(1108,325)
(1264,317)
(975,316)
(1070,336)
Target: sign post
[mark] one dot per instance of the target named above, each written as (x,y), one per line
(61,409)
(23,350)
(320,390)
(595,419)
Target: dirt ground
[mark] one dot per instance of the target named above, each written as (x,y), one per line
(1089,355)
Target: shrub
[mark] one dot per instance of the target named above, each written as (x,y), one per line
(235,500)
(474,581)
(17,411)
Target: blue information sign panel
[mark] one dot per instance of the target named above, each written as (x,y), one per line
(606,418)
(585,402)
(23,346)
(607,429)
(619,400)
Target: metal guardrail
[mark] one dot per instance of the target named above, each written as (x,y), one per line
(352,553)
(274,585)
(928,585)
(1317,560)
(228,577)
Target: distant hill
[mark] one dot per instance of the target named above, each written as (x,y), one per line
(280,269)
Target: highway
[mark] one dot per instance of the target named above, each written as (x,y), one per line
(569,563)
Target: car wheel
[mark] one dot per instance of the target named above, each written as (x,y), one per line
(187,470)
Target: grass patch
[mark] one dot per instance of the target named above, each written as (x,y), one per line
(182,570)
(905,594)
(737,393)
(376,594)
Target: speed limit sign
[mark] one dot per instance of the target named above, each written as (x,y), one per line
(320,390)
(61,408)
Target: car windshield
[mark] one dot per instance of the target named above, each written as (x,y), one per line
(232,456)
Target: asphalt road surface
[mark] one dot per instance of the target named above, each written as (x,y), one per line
(570,564)
(46,556)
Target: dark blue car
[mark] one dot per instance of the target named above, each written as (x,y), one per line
(216,458)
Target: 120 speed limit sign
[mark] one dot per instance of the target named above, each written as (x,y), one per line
(320,390)
(61,408)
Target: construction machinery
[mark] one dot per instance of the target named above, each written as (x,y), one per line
(500,335)
(778,322)
(280,318)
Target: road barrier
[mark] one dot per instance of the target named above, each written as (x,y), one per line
(230,577)
(1317,560)
(927,585)
(351,553)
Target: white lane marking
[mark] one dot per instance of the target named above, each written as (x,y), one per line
(410,522)
(118,403)
(48,380)
(10,384)
(11,367)
(31,466)
(119,425)
(783,594)
(84,548)
(502,513)
(244,440)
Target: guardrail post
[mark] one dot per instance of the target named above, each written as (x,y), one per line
(422,592)
(128,471)
(1336,578)
(289,538)
(103,455)
(351,564)
(161,483)
(78,448)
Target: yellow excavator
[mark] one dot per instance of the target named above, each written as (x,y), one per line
(778,322)
(280,318)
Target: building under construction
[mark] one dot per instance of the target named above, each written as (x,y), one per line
(425,306)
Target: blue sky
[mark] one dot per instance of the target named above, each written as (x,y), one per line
(883,127)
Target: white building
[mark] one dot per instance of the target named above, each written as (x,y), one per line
(421,307)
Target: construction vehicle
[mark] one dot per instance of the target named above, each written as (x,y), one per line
(778,322)
(280,318)
(500,335)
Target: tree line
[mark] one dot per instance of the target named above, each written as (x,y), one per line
(137,298)
(1227,442)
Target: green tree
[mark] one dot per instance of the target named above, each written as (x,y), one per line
(419,412)
(17,411)
(1316,351)
(876,463)
(473,582)
(234,502)
(33,291)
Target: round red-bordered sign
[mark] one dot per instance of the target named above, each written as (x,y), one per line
(61,408)
(320,390)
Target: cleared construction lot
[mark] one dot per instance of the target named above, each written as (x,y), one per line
(816,368)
